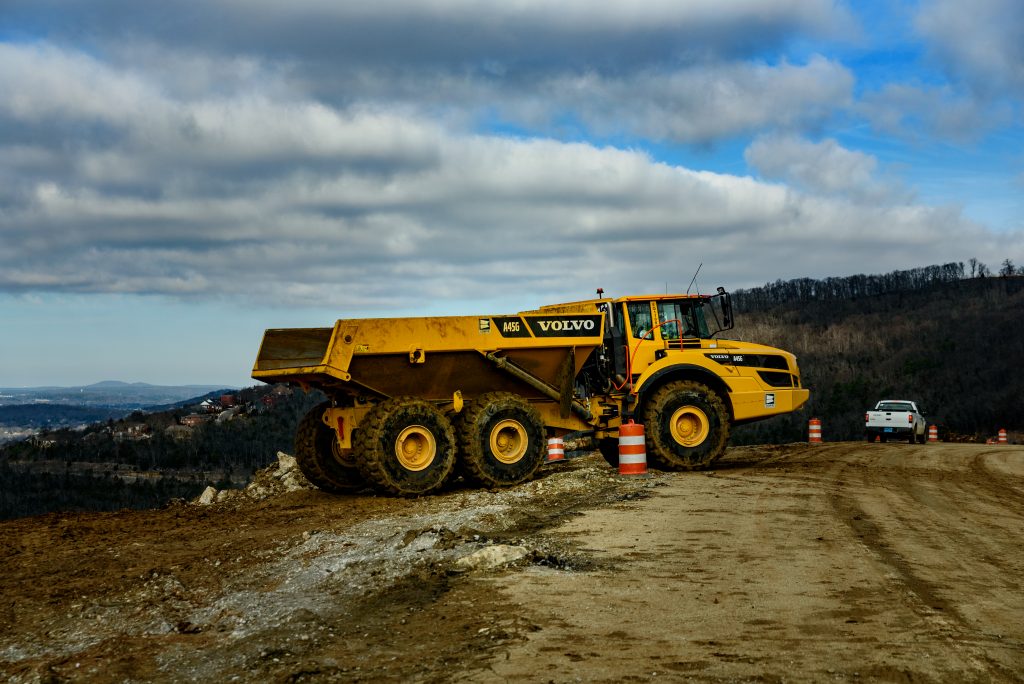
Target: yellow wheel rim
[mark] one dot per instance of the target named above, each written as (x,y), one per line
(415,447)
(690,426)
(509,441)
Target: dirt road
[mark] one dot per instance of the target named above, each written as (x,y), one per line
(840,562)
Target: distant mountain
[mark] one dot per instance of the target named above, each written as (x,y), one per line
(35,407)
(107,394)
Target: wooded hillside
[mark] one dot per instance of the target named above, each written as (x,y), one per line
(179,459)
(935,335)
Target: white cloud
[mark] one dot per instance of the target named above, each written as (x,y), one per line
(618,33)
(130,185)
(825,168)
(44,82)
(980,42)
(921,113)
(480,214)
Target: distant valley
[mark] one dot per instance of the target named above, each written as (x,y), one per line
(23,410)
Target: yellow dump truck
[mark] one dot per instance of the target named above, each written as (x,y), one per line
(412,400)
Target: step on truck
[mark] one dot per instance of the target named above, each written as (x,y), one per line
(410,401)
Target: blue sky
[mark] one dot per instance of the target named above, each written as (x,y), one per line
(176,177)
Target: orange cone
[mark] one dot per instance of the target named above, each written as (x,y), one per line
(632,449)
(814,431)
(556,450)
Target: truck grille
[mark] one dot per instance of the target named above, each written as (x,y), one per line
(776,378)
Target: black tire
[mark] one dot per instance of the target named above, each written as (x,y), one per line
(501,440)
(406,447)
(609,448)
(320,458)
(687,426)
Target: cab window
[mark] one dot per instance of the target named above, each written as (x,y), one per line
(640,319)
(681,318)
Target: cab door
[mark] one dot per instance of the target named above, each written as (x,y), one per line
(642,336)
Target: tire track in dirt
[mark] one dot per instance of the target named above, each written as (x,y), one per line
(967,518)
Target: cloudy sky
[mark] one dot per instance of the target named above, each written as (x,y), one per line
(177,176)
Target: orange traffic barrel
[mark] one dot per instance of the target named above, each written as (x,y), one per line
(556,449)
(933,433)
(632,449)
(1002,436)
(814,431)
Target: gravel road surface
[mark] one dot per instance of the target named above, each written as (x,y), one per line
(839,562)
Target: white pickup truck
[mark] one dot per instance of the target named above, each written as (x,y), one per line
(897,418)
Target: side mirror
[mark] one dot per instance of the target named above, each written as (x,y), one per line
(726,308)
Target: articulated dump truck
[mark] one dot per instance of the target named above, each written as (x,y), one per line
(413,400)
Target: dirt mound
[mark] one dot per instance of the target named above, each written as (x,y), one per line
(276,479)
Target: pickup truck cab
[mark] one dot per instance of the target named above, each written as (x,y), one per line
(897,418)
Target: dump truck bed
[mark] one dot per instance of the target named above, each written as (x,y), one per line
(432,356)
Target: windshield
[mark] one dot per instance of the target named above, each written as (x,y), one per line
(682,317)
(895,406)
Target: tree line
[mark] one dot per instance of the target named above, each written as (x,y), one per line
(849,288)
(954,344)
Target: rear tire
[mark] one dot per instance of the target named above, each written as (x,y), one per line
(687,426)
(320,458)
(406,447)
(501,440)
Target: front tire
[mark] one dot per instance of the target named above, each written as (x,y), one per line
(406,447)
(501,440)
(687,426)
(319,457)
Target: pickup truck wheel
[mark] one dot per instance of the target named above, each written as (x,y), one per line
(406,447)
(320,458)
(687,426)
(501,440)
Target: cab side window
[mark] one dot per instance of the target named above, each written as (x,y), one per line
(640,319)
(674,314)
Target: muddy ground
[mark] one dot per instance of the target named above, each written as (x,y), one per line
(839,562)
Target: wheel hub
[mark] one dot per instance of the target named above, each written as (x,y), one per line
(689,426)
(415,448)
(509,441)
